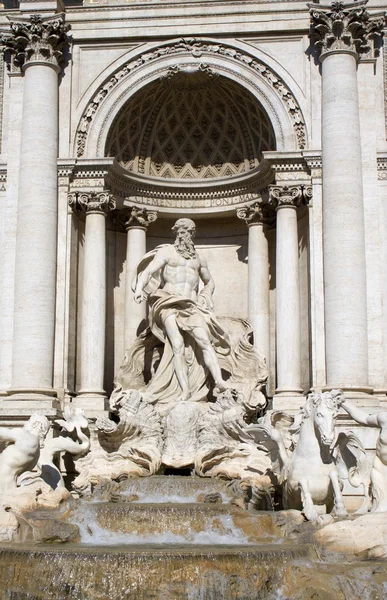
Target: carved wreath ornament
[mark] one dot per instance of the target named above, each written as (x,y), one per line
(197,49)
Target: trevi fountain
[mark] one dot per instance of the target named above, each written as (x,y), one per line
(193,300)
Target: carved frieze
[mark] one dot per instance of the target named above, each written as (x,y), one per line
(136,217)
(39,39)
(197,49)
(345,27)
(92,202)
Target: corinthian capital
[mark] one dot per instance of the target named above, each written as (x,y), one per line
(252,214)
(285,195)
(345,27)
(36,40)
(92,202)
(136,217)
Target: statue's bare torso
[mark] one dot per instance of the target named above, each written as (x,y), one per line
(181,275)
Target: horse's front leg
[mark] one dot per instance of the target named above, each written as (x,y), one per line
(340,509)
(308,508)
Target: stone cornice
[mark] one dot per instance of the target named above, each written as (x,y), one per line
(134,217)
(41,39)
(92,202)
(345,27)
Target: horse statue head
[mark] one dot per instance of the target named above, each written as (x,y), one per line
(323,408)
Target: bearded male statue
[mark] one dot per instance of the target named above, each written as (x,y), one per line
(181,316)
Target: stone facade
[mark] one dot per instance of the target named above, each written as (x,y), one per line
(263,121)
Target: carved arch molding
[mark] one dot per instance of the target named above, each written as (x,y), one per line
(197,49)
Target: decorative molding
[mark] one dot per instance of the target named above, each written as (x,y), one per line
(385,86)
(39,39)
(1,102)
(197,49)
(92,202)
(382,166)
(182,70)
(136,217)
(345,27)
(286,196)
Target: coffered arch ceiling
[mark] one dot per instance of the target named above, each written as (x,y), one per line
(191,125)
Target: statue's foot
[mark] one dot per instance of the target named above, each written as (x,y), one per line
(340,511)
(185,398)
(310,513)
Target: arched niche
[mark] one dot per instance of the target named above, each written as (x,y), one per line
(190,125)
(270,90)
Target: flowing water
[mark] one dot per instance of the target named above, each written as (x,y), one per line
(184,549)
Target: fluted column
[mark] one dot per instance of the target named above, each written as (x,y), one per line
(286,200)
(93,309)
(136,222)
(37,47)
(342,32)
(258,276)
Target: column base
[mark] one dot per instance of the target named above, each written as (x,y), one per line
(38,400)
(290,403)
(91,403)
(289,391)
(17,411)
(354,390)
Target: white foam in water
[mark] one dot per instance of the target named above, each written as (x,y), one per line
(96,535)
(168,498)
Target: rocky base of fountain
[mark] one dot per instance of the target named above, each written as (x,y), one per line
(184,538)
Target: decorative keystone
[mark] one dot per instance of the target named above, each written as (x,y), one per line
(136,217)
(92,202)
(345,27)
(36,40)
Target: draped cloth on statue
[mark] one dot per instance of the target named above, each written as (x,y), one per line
(189,314)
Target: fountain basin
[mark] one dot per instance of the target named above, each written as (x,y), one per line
(269,572)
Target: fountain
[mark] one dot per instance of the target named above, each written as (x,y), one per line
(191,488)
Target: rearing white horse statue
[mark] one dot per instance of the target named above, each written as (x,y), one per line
(312,471)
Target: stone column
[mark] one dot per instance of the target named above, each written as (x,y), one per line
(37,46)
(258,276)
(286,200)
(93,309)
(341,33)
(136,222)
